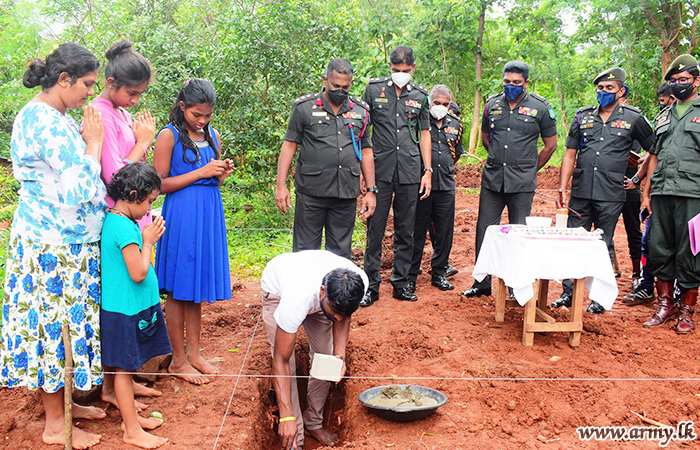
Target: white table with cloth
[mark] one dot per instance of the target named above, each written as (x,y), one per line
(527,257)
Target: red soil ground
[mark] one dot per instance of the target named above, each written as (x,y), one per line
(440,336)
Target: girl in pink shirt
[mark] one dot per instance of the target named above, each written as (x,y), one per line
(128,75)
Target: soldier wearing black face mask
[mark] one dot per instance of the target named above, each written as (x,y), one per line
(675,196)
(332,131)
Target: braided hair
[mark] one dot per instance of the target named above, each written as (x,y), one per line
(195,91)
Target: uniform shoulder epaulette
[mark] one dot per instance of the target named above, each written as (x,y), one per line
(378,80)
(663,113)
(586,108)
(494,96)
(304,98)
(542,99)
(452,116)
(633,108)
(421,88)
(359,101)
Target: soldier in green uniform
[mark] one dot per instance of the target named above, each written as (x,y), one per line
(438,210)
(400,133)
(599,141)
(332,130)
(511,126)
(675,196)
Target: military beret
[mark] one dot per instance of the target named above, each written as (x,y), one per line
(614,74)
(681,64)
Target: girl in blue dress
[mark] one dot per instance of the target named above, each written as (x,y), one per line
(133,327)
(192,256)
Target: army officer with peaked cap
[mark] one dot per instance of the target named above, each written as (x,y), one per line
(599,142)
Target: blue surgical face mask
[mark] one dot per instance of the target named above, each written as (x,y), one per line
(513,92)
(606,98)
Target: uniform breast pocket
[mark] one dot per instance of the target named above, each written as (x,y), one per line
(527,123)
(412,112)
(622,136)
(321,128)
(692,129)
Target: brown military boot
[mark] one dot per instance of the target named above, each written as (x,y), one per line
(636,273)
(685,323)
(665,306)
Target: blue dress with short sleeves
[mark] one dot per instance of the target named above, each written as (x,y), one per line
(192,256)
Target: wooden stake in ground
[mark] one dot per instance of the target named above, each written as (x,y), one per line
(68,388)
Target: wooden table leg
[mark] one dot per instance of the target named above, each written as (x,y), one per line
(542,294)
(500,300)
(577,312)
(529,318)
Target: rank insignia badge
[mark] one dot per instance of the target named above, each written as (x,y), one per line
(412,104)
(532,112)
(621,124)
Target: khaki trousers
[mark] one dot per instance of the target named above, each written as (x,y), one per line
(319,332)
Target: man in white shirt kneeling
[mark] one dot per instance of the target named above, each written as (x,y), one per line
(320,291)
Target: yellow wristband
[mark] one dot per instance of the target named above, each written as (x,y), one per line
(288,419)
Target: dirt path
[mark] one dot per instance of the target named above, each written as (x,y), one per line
(501,395)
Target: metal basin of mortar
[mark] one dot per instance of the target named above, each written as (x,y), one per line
(401,413)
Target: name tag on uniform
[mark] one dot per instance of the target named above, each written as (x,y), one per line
(498,111)
(695,120)
(527,111)
(351,115)
(587,125)
(412,104)
(381,100)
(621,124)
(319,113)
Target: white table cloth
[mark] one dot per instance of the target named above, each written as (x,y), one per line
(519,261)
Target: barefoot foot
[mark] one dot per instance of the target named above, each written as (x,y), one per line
(143,439)
(112,400)
(144,391)
(201,364)
(81,439)
(323,436)
(88,412)
(188,373)
(147,423)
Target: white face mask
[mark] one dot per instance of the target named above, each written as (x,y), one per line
(400,79)
(438,111)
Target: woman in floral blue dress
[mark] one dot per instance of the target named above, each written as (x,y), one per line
(52,275)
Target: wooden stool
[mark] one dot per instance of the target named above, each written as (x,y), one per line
(536,320)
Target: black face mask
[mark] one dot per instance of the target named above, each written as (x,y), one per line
(337,96)
(682,91)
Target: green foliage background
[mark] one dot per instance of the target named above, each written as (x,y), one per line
(261,55)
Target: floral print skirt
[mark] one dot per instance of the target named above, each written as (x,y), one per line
(45,286)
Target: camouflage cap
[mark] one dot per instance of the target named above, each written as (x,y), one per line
(681,64)
(614,74)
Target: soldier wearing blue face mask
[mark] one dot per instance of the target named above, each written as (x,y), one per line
(599,142)
(511,125)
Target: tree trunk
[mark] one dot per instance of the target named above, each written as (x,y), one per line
(476,118)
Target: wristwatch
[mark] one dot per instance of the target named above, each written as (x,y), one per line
(428,169)
(373,189)
(636,180)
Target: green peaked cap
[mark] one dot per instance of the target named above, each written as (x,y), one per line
(681,64)
(613,74)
